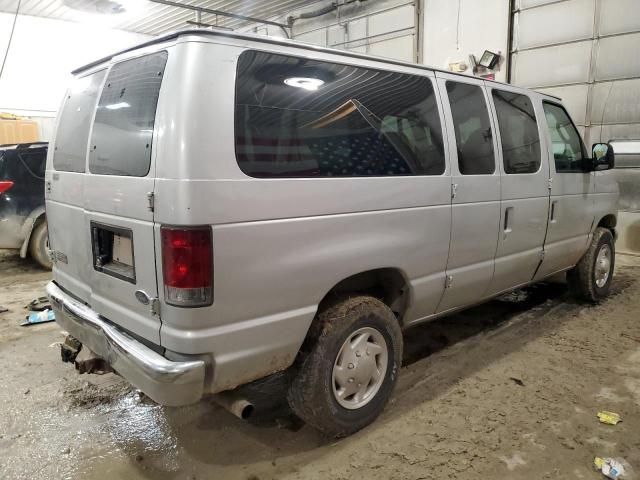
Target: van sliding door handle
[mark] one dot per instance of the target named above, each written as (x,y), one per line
(508,214)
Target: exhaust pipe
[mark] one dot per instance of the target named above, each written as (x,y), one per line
(235,404)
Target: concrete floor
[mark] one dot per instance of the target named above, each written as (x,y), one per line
(509,389)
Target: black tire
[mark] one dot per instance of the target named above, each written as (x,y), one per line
(311,393)
(39,245)
(582,277)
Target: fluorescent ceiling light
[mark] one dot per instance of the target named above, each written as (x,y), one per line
(117,106)
(103,7)
(305,83)
(105,13)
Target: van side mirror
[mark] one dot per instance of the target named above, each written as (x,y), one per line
(603,157)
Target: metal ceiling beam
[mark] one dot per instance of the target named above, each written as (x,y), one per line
(206,25)
(219,12)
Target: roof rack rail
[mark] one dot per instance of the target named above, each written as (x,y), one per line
(268,40)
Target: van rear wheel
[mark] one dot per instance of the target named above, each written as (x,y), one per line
(346,377)
(39,245)
(590,279)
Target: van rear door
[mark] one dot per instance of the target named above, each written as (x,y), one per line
(105,229)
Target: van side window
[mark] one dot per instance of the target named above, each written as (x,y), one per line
(123,128)
(72,134)
(473,129)
(298,117)
(568,150)
(518,132)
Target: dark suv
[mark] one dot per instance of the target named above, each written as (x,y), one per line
(23,224)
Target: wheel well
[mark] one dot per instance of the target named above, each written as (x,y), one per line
(37,222)
(389,285)
(28,227)
(39,219)
(609,222)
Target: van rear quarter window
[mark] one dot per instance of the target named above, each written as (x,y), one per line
(72,134)
(298,117)
(123,128)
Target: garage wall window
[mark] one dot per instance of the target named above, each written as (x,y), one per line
(473,129)
(296,117)
(123,129)
(518,132)
(72,135)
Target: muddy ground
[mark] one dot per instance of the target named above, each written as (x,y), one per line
(509,389)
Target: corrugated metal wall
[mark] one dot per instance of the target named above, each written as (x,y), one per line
(387,31)
(387,28)
(152,18)
(588,53)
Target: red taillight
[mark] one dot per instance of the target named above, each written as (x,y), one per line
(5,185)
(187,266)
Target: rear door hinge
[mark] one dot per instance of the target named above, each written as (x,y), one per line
(454,190)
(541,255)
(448,281)
(550,184)
(150,201)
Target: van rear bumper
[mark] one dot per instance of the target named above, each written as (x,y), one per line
(165,381)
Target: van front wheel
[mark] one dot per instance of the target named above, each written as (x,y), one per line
(590,279)
(346,377)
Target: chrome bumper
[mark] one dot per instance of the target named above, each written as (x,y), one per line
(166,382)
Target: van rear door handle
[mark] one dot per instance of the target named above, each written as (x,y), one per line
(508,214)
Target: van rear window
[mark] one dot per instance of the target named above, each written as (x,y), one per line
(72,134)
(123,128)
(298,117)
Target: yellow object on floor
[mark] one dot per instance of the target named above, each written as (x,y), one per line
(610,418)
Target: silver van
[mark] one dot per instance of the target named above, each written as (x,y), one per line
(224,206)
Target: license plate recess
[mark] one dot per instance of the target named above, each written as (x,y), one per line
(113,252)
